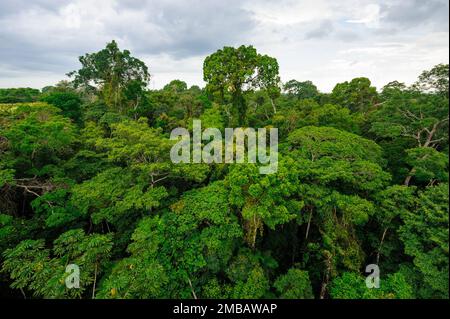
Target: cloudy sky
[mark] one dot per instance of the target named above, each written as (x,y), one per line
(326,41)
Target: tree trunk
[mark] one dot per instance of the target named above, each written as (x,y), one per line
(192,289)
(428,143)
(408,178)
(381,244)
(323,289)
(23,293)
(273,106)
(309,223)
(95,281)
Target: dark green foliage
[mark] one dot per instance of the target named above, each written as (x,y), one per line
(19,95)
(235,71)
(42,270)
(86,178)
(68,102)
(294,285)
(301,90)
(353,286)
(118,77)
(358,95)
(425,236)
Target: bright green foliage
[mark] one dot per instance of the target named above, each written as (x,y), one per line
(37,136)
(310,113)
(68,102)
(6,176)
(42,270)
(212,118)
(19,95)
(301,90)
(247,275)
(422,119)
(323,142)
(425,236)
(146,151)
(328,155)
(263,199)
(428,164)
(34,130)
(331,164)
(173,106)
(86,178)
(358,95)
(184,246)
(119,77)
(13,230)
(35,140)
(353,286)
(134,277)
(254,286)
(294,284)
(55,208)
(176,86)
(115,192)
(434,80)
(414,118)
(237,70)
(392,203)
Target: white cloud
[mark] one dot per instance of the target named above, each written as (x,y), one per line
(290,12)
(324,41)
(368,15)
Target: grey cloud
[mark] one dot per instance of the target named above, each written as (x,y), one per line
(348,36)
(416,13)
(189,28)
(14,7)
(38,59)
(179,29)
(322,31)
(174,36)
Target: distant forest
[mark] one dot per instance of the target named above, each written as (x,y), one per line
(86,179)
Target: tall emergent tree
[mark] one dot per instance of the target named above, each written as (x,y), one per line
(358,95)
(417,117)
(117,77)
(232,71)
(301,90)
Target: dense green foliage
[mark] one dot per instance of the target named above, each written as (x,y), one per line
(86,178)
(19,95)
